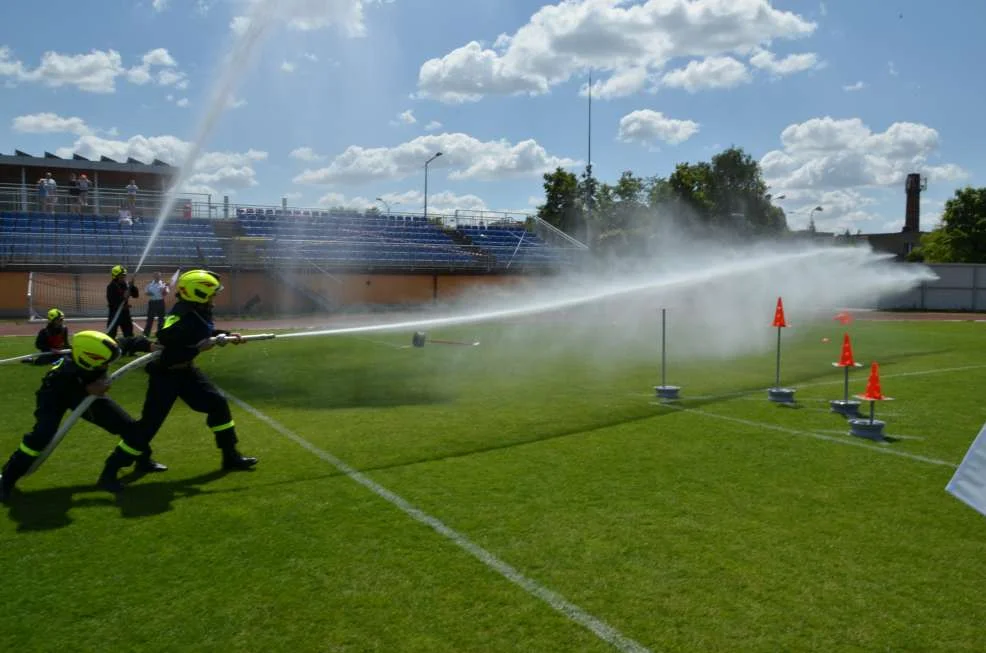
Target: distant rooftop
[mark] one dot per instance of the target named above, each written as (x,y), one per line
(19,158)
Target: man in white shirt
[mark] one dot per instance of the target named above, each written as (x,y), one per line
(132,195)
(156,291)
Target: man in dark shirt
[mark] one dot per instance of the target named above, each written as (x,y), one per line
(50,339)
(69,381)
(118,294)
(187,331)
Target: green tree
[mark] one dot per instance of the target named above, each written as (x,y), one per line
(961,237)
(562,206)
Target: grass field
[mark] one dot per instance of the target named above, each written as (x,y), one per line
(512,499)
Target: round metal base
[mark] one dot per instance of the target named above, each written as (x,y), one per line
(667,392)
(845,407)
(864,428)
(781,395)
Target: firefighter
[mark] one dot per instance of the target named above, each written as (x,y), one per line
(64,387)
(51,338)
(118,295)
(187,332)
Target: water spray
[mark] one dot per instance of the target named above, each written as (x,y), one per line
(259,21)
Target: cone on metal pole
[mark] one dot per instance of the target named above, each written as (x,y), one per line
(870,427)
(777,394)
(846,407)
(664,391)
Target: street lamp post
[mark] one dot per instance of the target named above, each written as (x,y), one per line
(386,205)
(437,154)
(811,215)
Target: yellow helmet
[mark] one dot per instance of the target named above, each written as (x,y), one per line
(94,349)
(198,286)
(118,271)
(54,314)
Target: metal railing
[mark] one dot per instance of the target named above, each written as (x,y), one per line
(103,201)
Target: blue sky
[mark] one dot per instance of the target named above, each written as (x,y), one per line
(345,99)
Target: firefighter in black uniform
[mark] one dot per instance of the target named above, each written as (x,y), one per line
(64,387)
(52,338)
(187,332)
(118,294)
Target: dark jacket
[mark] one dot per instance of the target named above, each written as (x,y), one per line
(64,386)
(186,326)
(50,339)
(119,292)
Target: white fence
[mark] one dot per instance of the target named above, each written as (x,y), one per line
(959,287)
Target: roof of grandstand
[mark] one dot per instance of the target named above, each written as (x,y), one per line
(49,160)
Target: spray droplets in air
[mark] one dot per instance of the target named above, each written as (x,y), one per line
(250,30)
(720,301)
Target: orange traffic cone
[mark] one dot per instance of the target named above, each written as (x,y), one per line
(779,320)
(843,318)
(846,360)
(873,390)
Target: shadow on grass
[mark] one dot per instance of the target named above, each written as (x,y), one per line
(48,509)
(353,387)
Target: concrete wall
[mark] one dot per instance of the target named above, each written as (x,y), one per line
(251,292)
(959,287)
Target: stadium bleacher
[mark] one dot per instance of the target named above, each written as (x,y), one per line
(74,239)
(331,238)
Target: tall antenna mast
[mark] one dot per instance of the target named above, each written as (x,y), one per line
(588,168)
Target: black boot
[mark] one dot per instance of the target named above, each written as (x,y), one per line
(6,489)
(233,460)
(116,461)
(147,465)
(16,467)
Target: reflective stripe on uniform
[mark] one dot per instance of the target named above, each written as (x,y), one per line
(29,451)
(223,427)
(130,450)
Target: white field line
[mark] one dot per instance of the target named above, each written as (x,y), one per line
(816,435)
(599,628)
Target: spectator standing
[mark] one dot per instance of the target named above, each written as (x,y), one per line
(156,291)
(42,194)
(51,188)
(83,192)
(73,193)
(132,196)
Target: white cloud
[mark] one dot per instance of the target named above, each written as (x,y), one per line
(215,172)
(837,162)
(235,103)
(858,86)
(712,72)
(631,41)
(287,67)
(49,123)
(303,15)
(620,84)
(465,156)
(891,68)
(183,102)
(646,126)
(411,201)
(433,125)
(310,56)
(407,117)
(793,63)
(159,5)
(95,71)
(305,154)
